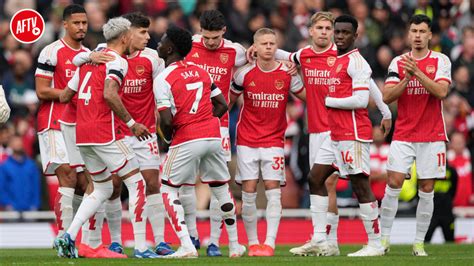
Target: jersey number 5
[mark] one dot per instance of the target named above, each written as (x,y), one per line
(85,95)
(195,86)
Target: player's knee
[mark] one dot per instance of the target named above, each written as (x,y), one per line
(227,207)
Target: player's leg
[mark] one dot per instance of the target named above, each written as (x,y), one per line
(355,163)
(400,159)
(249,214)
(113,214)
(187,196)
(148,158)
(214,212)
(55,161)
(430,164)
(272,215)
(332,215)
(214,172)
(248,161)
(369,213)
(180,167)
(102,190)
(120,158)
(273,174)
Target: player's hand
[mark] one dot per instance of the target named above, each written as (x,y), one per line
(140,131)
(410,66)
(101,57)
(386,126)
(251,54)
(292,68)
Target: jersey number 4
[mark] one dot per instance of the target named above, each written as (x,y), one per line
(85,95)
(199,87)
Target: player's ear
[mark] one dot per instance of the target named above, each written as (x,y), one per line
(224,29)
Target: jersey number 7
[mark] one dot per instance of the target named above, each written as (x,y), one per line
(195,86)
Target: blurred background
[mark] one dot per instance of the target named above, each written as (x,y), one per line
(382,36)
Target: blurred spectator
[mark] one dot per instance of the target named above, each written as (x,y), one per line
(444,190)
(19,79)
(466,57)
(449,33)
(19,179)
(237,21)
(5,133)
(96,19)
(460,158)
(384,57)
(378,163)
(467,32)
(461,84)
(423,7)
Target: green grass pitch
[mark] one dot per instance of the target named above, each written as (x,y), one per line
(448,254)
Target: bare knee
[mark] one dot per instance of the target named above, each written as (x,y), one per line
(66,176)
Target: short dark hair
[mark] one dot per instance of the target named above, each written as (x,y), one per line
(73,9)
(181,39)
(420,18)
(212,20)
(348,19)
(138,20)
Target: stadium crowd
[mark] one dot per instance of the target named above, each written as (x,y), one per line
(382,27)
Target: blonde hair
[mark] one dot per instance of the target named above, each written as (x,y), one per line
(115,27)
(321,15)
(263,31)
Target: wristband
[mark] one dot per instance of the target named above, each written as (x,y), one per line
(130,123)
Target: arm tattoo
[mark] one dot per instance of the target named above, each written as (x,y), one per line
(113,100)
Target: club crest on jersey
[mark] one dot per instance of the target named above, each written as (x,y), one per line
(279,84)
(224,58)
(339,67)
(430,69)
(331,60)
(140,70)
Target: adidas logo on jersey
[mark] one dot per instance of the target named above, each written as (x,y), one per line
(68,62)
(252,84)
(195,55)
(308,60)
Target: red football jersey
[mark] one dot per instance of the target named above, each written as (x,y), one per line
(187,89)
(262,121)
(96,122)
(315,70)
(137,90)
(420,114)
(219,63)
(350,73)
(55,63)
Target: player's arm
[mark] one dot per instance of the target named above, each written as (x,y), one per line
(44,91)
(297,88)
(113,100)
(394,87)
(218,102)
(301,95)
(359,100)
(68,93)
(4,108)
(97,56)
(439,88)
(386,123)
(165,128)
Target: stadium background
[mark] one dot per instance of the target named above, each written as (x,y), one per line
(382,26)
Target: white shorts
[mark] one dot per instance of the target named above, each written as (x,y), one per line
(53,150)
(147,152)
(184,162)
(352,157)
(75,158)
(320,149)
(271,161)
(105,160)
(430,158)
(225,138)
